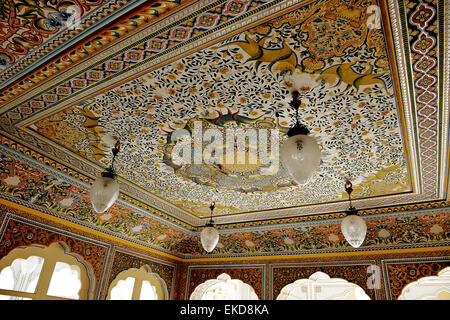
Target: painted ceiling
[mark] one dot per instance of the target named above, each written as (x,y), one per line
(80,75)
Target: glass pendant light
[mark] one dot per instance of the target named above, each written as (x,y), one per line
(353,227)
(105,189)
(300,154)
(209,235)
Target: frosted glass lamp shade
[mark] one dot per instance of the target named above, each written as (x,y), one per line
(209,238)
(300,156)
(104,192)
(354,229)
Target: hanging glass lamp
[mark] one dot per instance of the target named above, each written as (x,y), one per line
(353,227)
(105,189)
(209,235)
(300,153)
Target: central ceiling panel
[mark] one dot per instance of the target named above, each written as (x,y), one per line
(330,51)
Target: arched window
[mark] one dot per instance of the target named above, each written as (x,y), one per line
(44,273)
(138,284)
(224,288)
(320,286)
(429,288)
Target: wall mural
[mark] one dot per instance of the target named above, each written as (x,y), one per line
(49,192)
(17,233)
(244,82)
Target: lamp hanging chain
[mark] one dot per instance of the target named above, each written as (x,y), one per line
(212,206)
(298,128)
(115,151)
(297,121)
(348,187)
(295,103)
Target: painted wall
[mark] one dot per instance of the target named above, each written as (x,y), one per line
(107,257)
(394,269)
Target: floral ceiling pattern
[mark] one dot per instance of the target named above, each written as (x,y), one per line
(349,107)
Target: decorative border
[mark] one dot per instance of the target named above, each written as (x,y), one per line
(93,44)
(398,58)
(386,262)
(65,38)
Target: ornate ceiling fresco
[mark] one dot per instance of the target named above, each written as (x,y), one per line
(372,76)
(352,112)
(34,31)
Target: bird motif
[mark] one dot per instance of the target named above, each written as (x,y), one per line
(284,57)
(343,73)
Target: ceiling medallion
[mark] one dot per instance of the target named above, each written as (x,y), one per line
(229,173)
